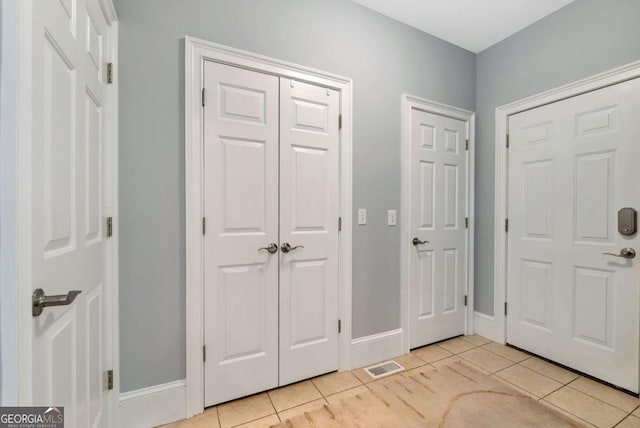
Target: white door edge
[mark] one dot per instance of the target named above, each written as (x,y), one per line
(409,103)
(196,52)
(23,203)
(592,83)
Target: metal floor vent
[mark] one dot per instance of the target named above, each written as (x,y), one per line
(384,369)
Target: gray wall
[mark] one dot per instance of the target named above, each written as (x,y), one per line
(582,39)
(385,59)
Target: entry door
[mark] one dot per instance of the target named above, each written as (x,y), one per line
(439,239)
(309,163)
(241,211)
(67,200)
(572,165)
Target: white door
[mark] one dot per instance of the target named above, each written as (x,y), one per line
(67,226)
(438,261)
(241,211)
(572,165)
(309,161)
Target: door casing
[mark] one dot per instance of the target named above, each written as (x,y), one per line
(196,52)
(495,327)
(409,103)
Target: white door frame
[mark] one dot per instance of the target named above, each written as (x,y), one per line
(23,206)
(498,326)
(409,103)
(196,52)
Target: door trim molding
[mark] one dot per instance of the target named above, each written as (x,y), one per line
(409,103)
(196,52)
(502,113)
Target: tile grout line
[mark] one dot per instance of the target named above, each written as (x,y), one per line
(272,405)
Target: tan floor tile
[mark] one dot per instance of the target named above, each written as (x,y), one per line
(477,340)
(515,387)
(529,380)
(362,375)
(605,393)
(409,361)
(456,359)
(585,407)
(507,352)
(290,413)
(208,419)
(630,422)
(262,422)
(417,370)
(348,393)
(457,345)
(637,412)
(245,410)
(574,418)
(549,370)
(486,360)
(431,353)
(391,378)
(294,395)
(335,382)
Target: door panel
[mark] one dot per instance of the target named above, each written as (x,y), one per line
(241,211)
(309,161)
(67,240)
(438,209)
(572,166)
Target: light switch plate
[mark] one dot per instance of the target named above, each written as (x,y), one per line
(362,216)
(392,219)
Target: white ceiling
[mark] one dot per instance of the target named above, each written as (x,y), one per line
(472,24)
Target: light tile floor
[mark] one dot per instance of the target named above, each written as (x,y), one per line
(580,398)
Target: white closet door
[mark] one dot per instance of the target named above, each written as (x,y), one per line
(241,211)
(439,238)
(572,165)
(68,238)
(309,161)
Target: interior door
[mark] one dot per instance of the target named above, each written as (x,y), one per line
(309,168)
(438,263)
(572,165)
(241,221)
(67,198)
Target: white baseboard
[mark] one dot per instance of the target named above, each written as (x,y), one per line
(375,348)
(484,325)
(153,406)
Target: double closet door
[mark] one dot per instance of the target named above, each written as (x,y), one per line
(271,165)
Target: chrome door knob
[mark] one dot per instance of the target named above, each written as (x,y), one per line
(40,300)
(272,248)
(285,247)
(417,242)
(625,253)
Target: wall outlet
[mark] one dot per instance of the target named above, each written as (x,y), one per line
(362,216)
(392,218)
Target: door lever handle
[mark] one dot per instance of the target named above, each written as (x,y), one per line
(272,248)
(41,301)
(417,242)
(625,253)
(286,247)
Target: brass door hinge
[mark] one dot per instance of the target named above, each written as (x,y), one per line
(110,72)
(466,144)
(110,379)
(339,224)
(466,300)
(505,309)
(506,225)
(204,353)
(340,121)
(339,326)
(507,141)
(202,97)
(109,227)
(204,225)
(466,222)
